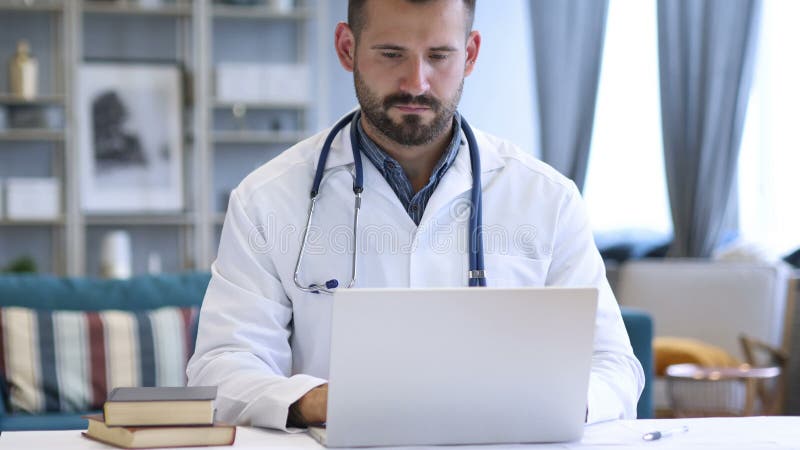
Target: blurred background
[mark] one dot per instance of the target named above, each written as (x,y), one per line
(207,91)
(125,124)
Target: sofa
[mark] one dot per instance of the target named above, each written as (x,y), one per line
(639,325)
(82,296)
(152,306)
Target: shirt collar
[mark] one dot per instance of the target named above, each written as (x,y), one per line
(381,159)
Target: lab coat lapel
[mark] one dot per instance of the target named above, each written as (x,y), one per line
(458,179)
(376,183)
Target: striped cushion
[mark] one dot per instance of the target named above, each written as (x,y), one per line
(67,361)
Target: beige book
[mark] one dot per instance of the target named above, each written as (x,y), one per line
(163,436)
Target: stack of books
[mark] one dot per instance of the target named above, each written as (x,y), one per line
(146,417)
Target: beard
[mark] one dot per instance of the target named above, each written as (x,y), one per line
(410,131)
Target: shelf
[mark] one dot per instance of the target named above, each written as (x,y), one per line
(6,222)
(261,12)
(230,104)
(8,99)
(257,137)
(67,33)
(135,8)
(139,219)
(32,5)
(32,134)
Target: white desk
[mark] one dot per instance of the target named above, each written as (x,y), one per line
(715,433)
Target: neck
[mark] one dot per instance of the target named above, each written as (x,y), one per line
(417,161)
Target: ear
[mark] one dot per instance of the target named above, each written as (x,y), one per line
(345,43)
(473,48)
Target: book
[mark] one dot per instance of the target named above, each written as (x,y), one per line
(141,406)
(162,436)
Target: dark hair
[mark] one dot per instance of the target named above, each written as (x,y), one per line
(356,19)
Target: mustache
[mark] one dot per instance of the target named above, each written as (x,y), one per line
(408,99)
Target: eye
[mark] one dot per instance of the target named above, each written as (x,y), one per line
(391,55)
(439,56)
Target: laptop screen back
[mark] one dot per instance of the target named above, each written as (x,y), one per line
(459,366)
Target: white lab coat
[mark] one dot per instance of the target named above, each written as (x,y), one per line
(265,343)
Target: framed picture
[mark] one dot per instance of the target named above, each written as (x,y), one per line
(130,138)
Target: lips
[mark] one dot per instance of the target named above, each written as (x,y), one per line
(409,104)
(411,109)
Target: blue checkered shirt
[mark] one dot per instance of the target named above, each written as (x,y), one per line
(394,174)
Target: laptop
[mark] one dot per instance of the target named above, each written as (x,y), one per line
(458,366)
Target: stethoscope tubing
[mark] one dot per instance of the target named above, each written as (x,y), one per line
(477,271)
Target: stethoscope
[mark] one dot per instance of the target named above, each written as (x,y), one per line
(476,273)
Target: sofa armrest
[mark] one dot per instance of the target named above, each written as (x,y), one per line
(3,396)
(639,325)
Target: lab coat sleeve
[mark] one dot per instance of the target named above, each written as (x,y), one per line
(243,336)
(616,378)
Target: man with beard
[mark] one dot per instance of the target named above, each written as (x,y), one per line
(264,328)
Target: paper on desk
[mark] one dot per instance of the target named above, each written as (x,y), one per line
(729,433)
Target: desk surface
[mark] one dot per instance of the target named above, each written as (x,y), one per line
(715,433)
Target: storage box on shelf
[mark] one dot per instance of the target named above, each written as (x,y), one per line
(33,198)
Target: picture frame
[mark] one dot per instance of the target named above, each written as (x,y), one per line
(130,138)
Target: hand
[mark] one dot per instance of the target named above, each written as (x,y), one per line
(310,409)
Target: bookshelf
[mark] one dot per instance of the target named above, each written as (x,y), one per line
(218,146)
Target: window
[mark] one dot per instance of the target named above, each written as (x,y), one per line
(625,183)
(769,162)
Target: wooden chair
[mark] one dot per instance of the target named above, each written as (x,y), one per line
(768,393)
(757,353)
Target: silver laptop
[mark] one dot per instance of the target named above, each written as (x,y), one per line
(458,366)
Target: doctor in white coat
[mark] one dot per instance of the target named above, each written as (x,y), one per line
(264,342)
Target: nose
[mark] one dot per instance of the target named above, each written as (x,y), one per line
(415,78)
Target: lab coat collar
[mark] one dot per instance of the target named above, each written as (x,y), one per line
(341,153)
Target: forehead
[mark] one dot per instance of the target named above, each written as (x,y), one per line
(444,21)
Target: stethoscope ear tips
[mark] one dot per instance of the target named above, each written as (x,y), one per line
(332,284)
